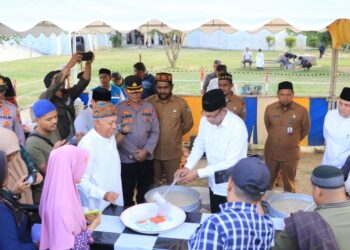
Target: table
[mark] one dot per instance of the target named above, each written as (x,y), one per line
(112,233)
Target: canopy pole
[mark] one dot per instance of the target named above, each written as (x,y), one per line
(333,81)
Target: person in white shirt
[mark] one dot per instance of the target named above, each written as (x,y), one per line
(101,184)
(247,57)
(336,131)
(223,136)
(84,121)
(259,60)
(214,83)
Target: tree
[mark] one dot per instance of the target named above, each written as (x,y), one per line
(172,43)
(116,39)
(312,41)
(290,42)
(270,41)
(325,38)
(12,39)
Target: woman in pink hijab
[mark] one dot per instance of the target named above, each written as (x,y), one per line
(63,222)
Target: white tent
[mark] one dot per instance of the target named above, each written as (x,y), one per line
(184,15)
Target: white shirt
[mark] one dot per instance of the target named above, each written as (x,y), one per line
(214,84)
(347,184)
(224,146)
(247,55)
(336,131)
(103,172)
(84,121)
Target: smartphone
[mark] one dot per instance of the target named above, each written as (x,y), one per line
(221,176)
(87,56)
(92,212)
(31,178)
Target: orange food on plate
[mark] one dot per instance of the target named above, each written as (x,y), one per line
(157,219)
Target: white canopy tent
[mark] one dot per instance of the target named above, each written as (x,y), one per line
(23,15)
(43,16)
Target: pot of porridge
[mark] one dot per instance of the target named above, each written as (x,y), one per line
(183,197)
(282,205)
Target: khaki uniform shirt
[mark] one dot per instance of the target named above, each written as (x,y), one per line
(236,105)
(337,215)
(286,127)
(175,120)
(9,118)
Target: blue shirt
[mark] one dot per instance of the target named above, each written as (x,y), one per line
(121,88)
(116,94)
(11,236)
(149,86)
(237,226)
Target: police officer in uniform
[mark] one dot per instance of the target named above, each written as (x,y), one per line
(9,115)
(287,123)
(175,120)
(138,143)
(234,103)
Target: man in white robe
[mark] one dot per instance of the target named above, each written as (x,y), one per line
(101,184)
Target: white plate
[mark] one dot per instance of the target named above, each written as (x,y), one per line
(138,218)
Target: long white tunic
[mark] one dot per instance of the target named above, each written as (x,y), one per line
(103,172)
(224,146)
(259,60)
(336,131)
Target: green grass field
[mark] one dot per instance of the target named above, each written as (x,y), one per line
(30,72)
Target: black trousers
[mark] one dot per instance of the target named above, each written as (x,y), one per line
(215,201)
(137,175)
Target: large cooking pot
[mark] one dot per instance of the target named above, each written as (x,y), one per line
(185,198)
(283,204)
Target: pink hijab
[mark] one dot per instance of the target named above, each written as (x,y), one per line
(60,209)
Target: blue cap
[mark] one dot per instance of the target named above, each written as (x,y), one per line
(42,107)
(251,175)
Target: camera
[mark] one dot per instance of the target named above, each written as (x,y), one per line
(87,56)
(31,178)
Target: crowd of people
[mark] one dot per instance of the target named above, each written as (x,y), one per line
(299,62)
(129,140)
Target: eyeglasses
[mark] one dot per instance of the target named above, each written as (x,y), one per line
(211,116)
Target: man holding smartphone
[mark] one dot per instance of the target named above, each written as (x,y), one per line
(64,98)
(223,136)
